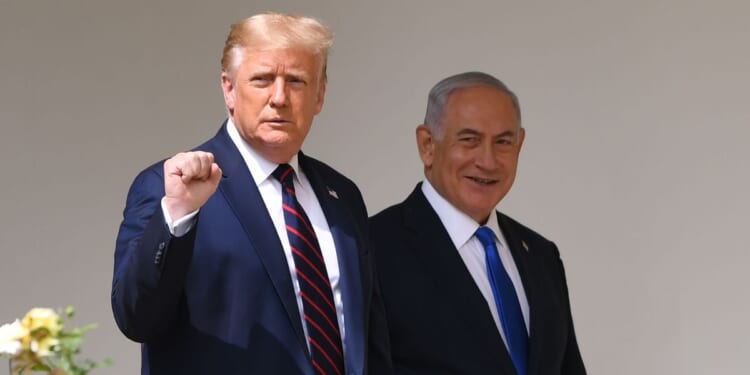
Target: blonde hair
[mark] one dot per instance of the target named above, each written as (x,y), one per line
(276,30)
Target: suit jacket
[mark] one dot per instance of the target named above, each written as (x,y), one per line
(439,323)
(220,300)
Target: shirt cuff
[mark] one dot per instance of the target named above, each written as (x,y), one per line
(181,226)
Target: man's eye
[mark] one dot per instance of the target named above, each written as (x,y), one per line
(296,81)
(468,139)
(260,80)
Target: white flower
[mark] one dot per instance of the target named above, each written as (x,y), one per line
(45,318)
(44,325)
(10,338)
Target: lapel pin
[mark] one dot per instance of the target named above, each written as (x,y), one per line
(332,193)
(525,246)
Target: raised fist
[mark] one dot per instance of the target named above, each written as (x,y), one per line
(190,178)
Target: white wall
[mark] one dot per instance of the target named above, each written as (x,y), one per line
(634,162)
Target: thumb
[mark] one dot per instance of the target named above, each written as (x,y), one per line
(216,174)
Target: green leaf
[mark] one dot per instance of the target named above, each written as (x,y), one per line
(41,367)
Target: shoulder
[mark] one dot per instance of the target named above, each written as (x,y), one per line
(340,187)
(388,217)
(324,170)
(155,171)
(333,179)
(413,214)
(529,236)
(522,229)
(152,177)
(413,209)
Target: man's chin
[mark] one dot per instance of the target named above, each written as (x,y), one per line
(278,149)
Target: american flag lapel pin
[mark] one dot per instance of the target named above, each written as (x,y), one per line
(332,193)
(525,246)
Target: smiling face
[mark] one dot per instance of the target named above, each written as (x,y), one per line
(272,98)
(473,165)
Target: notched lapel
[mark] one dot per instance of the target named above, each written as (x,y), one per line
(531,271)
(238,188)
(433,246)
(347,240)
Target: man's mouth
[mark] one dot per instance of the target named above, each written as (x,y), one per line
(482,181)
(277,121)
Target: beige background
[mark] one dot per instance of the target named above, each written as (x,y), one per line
(635,160)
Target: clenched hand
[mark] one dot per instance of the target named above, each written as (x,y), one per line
(190,178)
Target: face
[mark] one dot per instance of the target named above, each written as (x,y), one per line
(474,164)
(272,98)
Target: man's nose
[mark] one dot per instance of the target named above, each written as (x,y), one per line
(485,157)
(279,95)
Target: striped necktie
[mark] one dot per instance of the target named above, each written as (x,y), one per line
(324,337)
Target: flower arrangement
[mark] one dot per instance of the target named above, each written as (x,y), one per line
(40,343)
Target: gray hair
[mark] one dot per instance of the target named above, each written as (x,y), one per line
(440,93)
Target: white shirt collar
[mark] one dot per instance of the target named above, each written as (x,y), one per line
(460,227)
(260,167)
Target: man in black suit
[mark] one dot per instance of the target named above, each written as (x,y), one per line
(468,290)
(244,255)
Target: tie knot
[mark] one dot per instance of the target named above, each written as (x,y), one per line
(284,174)
(485,236)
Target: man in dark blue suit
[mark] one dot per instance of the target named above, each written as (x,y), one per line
(245,256)
(468,290)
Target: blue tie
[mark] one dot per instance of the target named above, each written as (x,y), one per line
(506,301)
(318,307)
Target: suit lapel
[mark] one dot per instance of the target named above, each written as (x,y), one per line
(434,247)
(345,238)
(524,259)
(240,191)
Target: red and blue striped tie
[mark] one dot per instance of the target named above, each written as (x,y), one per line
(324,337)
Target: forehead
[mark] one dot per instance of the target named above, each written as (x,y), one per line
(296,58)
(480,107)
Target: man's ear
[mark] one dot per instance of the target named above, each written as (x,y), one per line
(521,137)
(426,145)
(227,88)
(321,94)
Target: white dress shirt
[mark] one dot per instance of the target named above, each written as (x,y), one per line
(461,229)
(270,190)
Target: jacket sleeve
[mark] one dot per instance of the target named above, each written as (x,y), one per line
(572,362)
(379,361)
(379,353)
(150,264)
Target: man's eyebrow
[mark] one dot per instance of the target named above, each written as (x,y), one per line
(261,71)
(507,133)
(295,71)
(468,131)
(296,75)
